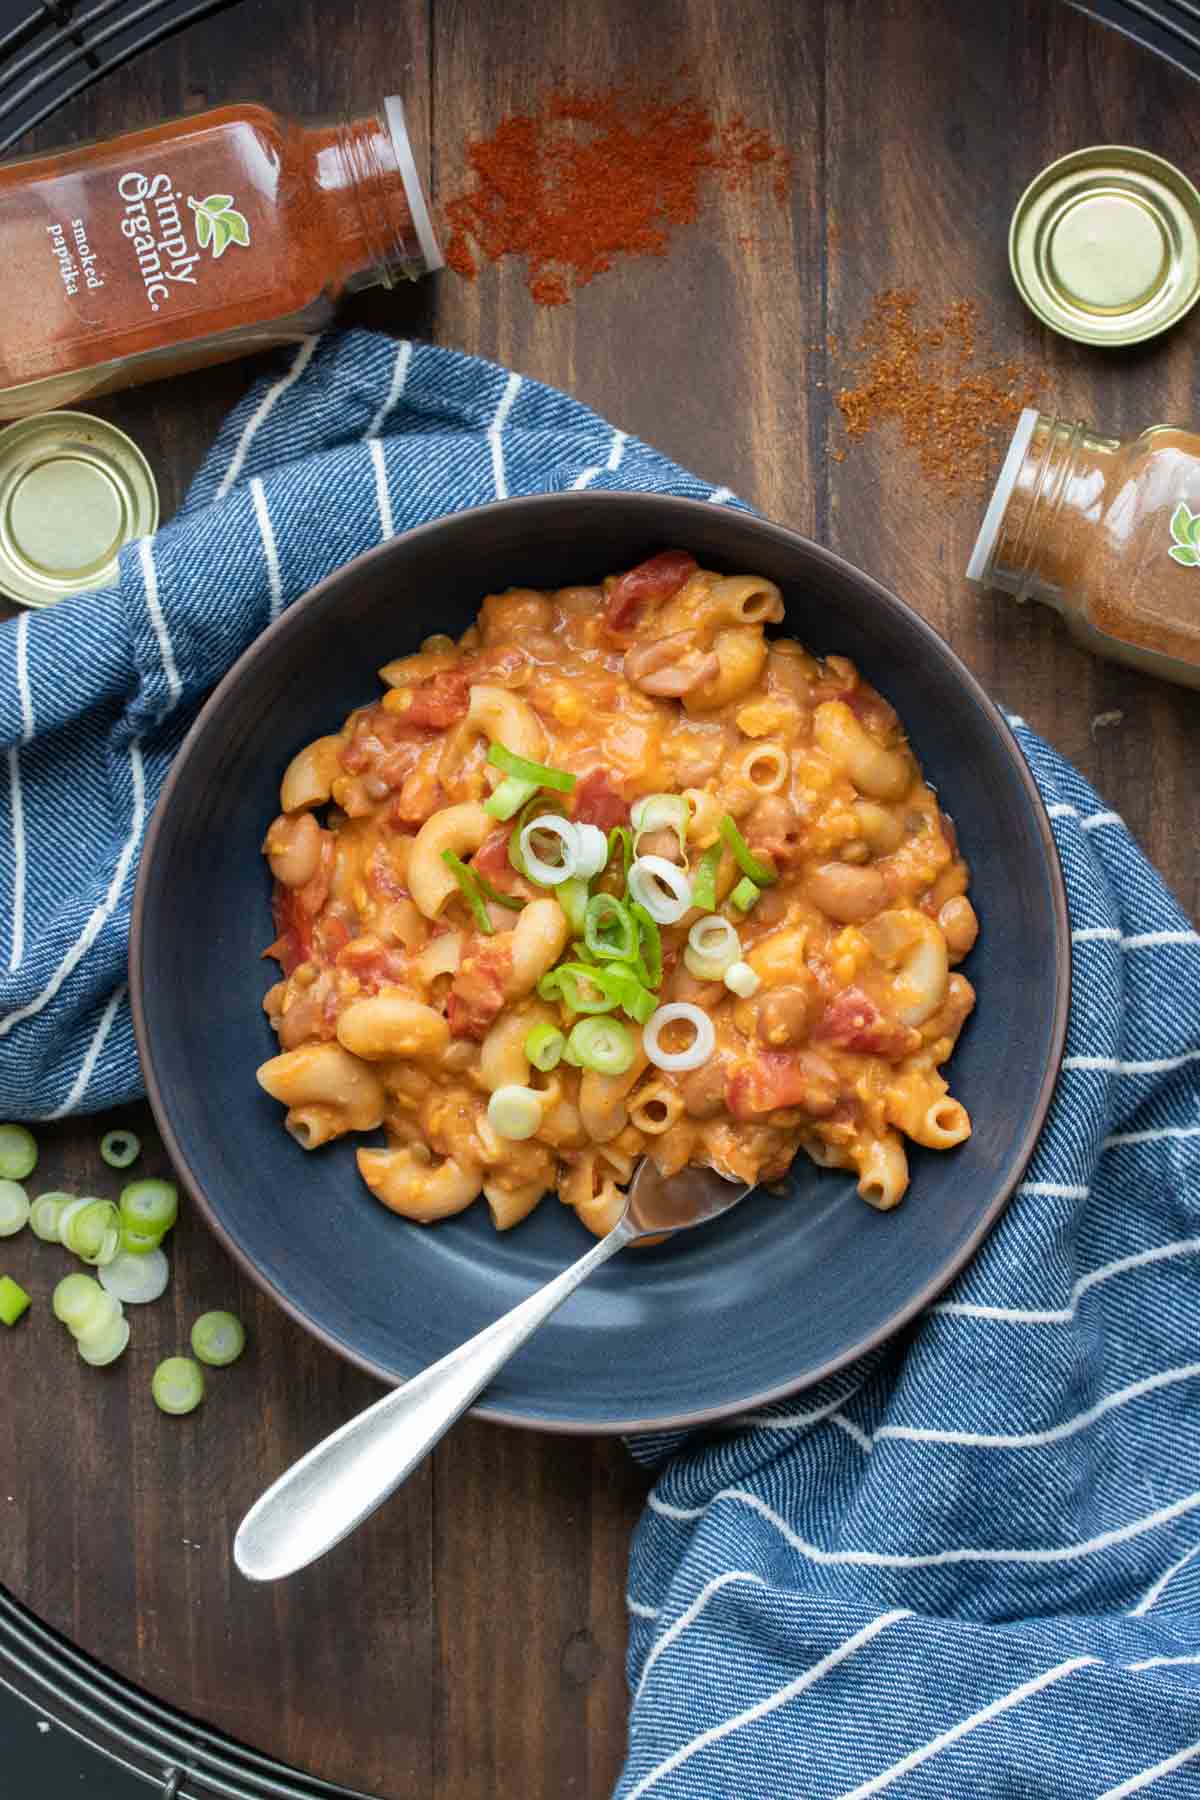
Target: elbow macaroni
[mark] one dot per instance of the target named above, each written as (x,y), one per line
(396,1008)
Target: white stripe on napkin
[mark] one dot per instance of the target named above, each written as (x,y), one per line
(17,809)
(1015,1315)
(258,494)
(692,1612)
(404,352)
(511,389)
(1137,1782)
(92,1056)
(264,407)
(166,649)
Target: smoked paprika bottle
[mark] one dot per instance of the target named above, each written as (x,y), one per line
(1107,530)
(195,242)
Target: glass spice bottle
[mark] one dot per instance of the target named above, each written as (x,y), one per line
(1107,530)
(195,242)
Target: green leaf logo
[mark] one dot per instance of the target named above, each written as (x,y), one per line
(1185,554)
(218,225)
(1183,523)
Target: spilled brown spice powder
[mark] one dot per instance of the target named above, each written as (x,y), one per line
(952,410)
(593,174)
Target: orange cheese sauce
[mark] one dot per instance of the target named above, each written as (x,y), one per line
(395,1010)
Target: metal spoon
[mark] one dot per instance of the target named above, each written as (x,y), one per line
(322,1498)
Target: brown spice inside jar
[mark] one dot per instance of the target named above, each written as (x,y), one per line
(588,175)
(927,381)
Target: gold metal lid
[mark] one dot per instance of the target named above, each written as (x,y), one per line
(1105,245)
(73,490)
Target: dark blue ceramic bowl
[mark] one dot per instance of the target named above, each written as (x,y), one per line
(784,1290)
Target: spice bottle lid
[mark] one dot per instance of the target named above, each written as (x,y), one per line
(73,490)
(431,251)
(1105,245)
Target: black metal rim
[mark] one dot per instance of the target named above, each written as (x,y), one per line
(46,61)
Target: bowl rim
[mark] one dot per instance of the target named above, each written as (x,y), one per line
(680,509)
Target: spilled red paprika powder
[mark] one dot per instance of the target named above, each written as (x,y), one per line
(594,174)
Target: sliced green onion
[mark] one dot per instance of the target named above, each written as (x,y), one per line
(704,1037)
(150,1205)
(92,1232)
(604,1045)
(509,797)
(621,838)
(661,887)
(569,1056)
(13,1300)
(99,1348)
(79,1302)
(139,1243)
(515,1111)
(551,825)
(136,1280)
(662,812)
(582,953)
(469,888)
(18,1153)
(704,882)
(648,964)
(745,894)
(580,987)
(14,1208)
(490,891)
(635,999)
(572,896)
(525,770)
(218,1339)
(610,930)
(747,862)
(45,1216)
(704,968)
(544,1047)
(740,979)
(177,1385)
(540,803)
(120,1148)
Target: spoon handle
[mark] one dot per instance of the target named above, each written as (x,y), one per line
(339,1483)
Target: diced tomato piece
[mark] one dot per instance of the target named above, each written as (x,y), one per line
(373,963)
(597,802)
(477,991)
(440,701)
(657,579)
(491,860)
(775,1079)
(852,1021)
(382,878)
(293,942)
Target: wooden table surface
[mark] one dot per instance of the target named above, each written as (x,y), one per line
(469,1642)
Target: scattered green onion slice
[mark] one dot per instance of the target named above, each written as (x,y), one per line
(704,968)
(525,770)
(490,891)
(515,1112)
(704,882)
(218,1339)
(593,851)
(544,1047)
(45,1216)
(139,1243)
(704,1039)
(540,803)
(662,812)
(18,1153)
(610,930)
(572,896)
(569,1056)
(136,1280)
(633,997)
(81,1304)
(550,825)
(621,838)
(14,1208)
(747,862)
(99,1348)
(178,1385)
(120,1148)
(745,894)
(509,797)
(715,940)
(469,888)
(150,1205)
(92,1232)
(740,979)
(604,1045)
(661,887)
(580,987)
(13,1300)
(648,965)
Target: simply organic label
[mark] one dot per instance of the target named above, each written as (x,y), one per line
(155,222)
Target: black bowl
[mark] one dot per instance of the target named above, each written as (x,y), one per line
(784,1290)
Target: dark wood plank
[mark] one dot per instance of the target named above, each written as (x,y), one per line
(468,1643)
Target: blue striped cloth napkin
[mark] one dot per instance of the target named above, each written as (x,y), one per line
(968,1567)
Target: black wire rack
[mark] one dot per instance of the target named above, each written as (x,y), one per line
(52,51)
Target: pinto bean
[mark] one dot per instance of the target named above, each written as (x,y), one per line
(847,893)
(786,1014)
